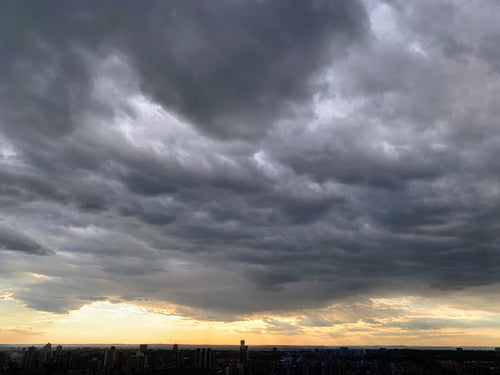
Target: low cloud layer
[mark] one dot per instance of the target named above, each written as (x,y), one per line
(236,157)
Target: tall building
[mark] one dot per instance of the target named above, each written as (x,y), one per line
(111,358)
(139,361)
(204,358)
(143,348)
(29,360)
(243,352)
(45,355)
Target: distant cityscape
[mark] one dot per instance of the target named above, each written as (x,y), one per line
(187,360)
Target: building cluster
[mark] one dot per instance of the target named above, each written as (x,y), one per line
(207,361)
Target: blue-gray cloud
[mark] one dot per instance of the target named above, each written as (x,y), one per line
(15,240)
(248,156)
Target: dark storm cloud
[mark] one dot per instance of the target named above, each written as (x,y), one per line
(14,240)
(234,78)
(242,156)
(228,66)
(25,186)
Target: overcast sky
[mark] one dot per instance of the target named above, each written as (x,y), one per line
(229,159)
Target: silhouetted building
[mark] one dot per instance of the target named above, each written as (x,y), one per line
(111,358)
(138,362)
(45,355)
(204,358)
(344,350)
(243,352)
(29,360)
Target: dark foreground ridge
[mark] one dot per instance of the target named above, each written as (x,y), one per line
(244,361)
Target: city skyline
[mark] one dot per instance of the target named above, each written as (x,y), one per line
(290,172)
(144,359)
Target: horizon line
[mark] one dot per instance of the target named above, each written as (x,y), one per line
(394,346)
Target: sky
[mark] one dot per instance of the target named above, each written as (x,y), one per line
(318,172)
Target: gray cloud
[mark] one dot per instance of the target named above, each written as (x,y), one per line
(315,321)
(234,83)
(248,156)
(14,240)
(230,67)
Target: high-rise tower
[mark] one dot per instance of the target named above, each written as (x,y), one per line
(243,352)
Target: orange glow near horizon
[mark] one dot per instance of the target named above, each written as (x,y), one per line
(127,323)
